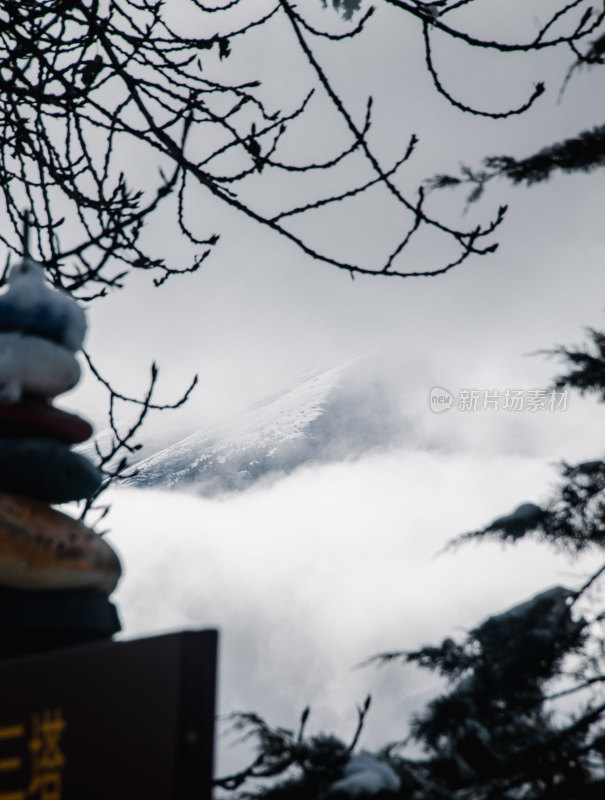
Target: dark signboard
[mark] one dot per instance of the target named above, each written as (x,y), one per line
(110,721)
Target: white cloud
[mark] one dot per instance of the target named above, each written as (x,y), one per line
(331,565)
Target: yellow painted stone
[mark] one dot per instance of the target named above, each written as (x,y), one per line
(42,548)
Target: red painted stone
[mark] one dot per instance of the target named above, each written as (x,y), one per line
(34,416)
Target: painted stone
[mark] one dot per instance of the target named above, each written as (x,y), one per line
(46,470)
(32,364)
(42,548)
(32,417)
(30,305)
(37,620)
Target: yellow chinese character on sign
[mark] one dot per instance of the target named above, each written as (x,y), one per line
(11,763)
(47,760)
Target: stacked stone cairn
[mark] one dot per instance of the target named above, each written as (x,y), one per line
(56,574)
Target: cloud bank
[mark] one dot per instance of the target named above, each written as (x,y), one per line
(312,575)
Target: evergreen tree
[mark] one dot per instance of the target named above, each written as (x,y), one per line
(499,730)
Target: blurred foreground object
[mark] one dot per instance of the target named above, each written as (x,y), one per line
(56,574)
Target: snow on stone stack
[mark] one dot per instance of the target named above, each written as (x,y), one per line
(42,549)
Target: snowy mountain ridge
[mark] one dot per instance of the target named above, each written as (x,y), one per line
(251,444)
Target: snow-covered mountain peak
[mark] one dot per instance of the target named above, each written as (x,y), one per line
(327,415)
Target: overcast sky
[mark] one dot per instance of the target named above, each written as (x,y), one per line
(309,576)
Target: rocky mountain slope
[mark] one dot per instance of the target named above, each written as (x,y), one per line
(330,415)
